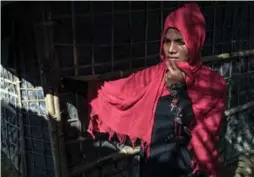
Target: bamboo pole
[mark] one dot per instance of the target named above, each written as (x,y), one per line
(42,48)
(125,152)
(20,115)
(52,132)
(76,70)
(212,58)
(239,108)
(22,133)
(62,151)
(57,117)
(118,74)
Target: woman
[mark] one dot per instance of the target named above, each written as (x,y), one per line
(174,108)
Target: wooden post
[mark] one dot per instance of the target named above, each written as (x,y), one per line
(50,77)
(20,116)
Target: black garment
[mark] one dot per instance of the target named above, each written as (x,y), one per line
(169,156)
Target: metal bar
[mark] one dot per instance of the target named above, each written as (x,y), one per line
(112,36)
(75,58)
(162,15)
(108,63)
(251,26)
(124,44)
(93,39)
(62,16)
(214,30)
(103,45)
(146,33)
(131,30)
(74,43)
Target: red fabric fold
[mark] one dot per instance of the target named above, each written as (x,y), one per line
(126,106)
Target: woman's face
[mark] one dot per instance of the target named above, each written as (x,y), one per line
(174,47)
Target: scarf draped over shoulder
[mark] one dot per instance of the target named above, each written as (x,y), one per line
(126,107)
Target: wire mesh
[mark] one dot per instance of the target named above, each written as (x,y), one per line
(10,128)
(37,140)
(38,145)
(239,76)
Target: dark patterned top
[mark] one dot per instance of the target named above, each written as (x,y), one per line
(181,105)
(169,155)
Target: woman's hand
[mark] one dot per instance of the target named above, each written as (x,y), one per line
(174,74)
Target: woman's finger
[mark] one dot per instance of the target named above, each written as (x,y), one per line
(169,66)
(174,66)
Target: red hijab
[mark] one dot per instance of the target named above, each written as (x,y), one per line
(126,107)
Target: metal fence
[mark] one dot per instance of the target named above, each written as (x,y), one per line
(10,125)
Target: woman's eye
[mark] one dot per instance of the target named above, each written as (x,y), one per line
(166,41)
(181,42)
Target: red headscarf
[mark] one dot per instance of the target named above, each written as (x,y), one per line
(126,107)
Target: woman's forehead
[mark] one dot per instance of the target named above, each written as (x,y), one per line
(173,33)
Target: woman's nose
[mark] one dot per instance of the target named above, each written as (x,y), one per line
(172,48)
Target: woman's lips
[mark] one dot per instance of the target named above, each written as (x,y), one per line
(173,58)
